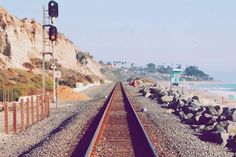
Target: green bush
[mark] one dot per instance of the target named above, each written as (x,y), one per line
(89,78)
(69,83)
(37,81)
(15,91)
(28,65)
(1,94)
(49,85)
(32,90)
(102,81)
(16,95)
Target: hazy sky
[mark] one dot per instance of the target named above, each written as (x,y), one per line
(190,32)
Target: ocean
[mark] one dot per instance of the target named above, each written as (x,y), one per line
(224,89)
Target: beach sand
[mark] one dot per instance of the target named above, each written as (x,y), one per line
(206,97)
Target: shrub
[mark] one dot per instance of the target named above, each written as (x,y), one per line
(32,90)
(28,65)
(71,83)
(37,81)
(89,78)
(102,81)
(37,62)
(16,93)
(48,85)
(68,82)
(1,94)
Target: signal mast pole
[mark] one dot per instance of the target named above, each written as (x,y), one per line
(52,33)
(43,53)
(54,79)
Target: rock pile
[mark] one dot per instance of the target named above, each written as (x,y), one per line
(213,123)
(135,82)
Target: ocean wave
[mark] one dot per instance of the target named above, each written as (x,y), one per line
(216,87)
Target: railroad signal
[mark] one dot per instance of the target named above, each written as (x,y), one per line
(53,9)
(52,33)
(52,12)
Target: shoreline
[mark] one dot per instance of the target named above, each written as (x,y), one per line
(207,96)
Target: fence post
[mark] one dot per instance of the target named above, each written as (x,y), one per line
(46,106)
(6,117)
(37,108)
(41,103)
(14,117)
(22,114)
(32,110)
(27,112)
(49,103)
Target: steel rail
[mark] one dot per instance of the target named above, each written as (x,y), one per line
(150,150)
(137,128)
(93,141)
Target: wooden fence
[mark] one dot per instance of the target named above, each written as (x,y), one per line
(19,116)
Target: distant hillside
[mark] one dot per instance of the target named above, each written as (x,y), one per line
(193,73)
(190,73)
(122,72)
(119,70)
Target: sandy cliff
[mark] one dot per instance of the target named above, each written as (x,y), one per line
(21,40)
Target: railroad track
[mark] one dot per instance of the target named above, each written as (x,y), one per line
(116,131)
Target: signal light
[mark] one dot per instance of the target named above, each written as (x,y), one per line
(53,9)
(52,33)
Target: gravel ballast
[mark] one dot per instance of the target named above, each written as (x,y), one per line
(172,137)
(55,135)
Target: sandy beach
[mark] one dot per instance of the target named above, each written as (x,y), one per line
(206,96)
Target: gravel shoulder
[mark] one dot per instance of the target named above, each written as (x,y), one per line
(55,135)
(172,138)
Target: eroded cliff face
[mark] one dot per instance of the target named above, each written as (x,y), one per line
(21,41)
